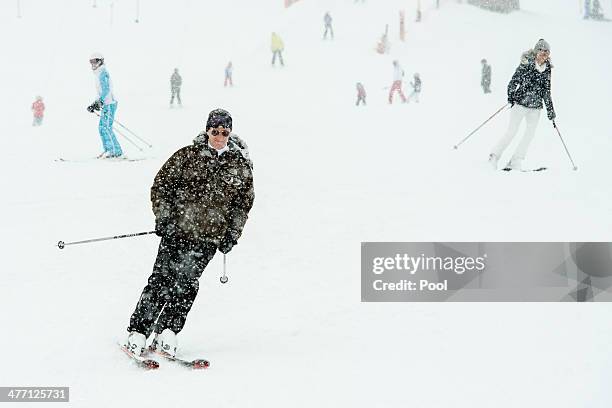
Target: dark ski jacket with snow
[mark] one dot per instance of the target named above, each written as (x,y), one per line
(205,197)
(529,87)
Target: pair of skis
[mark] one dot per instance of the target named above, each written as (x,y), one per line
(90,159)
(526,170)
(152,364)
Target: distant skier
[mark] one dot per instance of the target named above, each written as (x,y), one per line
(398,74)
(277,47)
(596,13)
(201,199)
(587,9)
(382,47)
(529,86)
(327,20)
(228,74)
(176,81)
(108,106)
(485,77)
(38,110)
(361,94)
(416,88)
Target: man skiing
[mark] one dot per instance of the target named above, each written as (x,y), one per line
(201,198)
(398,74)
(175,87)
(38,110)
(108,106)
(529,86)
(416,88)
(485,78)
(327,20)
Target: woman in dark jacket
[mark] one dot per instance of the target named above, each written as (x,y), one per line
(528,92)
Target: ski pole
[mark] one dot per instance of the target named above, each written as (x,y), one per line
(62,244)
(224,278)
(562,141)
(135,135)
(478,128)
(127,138)
(124,136)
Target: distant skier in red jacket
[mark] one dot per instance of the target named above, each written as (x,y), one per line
(38,109)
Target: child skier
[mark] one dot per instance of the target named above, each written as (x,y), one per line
(416,88)
(228,74)
(398,74)
(38,109)
(361,94)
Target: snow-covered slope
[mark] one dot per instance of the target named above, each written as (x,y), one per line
(289,328)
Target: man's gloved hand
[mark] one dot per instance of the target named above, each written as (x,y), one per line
(96,106)
(227,243)
(164,228)
(551,115)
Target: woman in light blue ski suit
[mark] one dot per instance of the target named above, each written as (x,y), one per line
(107,104)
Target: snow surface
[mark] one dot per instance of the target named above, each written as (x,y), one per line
(289,330)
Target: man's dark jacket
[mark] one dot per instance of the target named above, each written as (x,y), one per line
(201,198)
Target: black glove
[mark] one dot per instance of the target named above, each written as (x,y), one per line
(551,114)
(164,228)
(227,244)
(511,100)
(95,106)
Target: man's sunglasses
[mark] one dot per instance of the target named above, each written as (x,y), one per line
(215,132)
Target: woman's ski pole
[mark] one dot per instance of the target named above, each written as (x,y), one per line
(478,128)
(562,141)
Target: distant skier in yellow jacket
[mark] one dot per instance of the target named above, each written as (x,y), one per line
(277,49)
